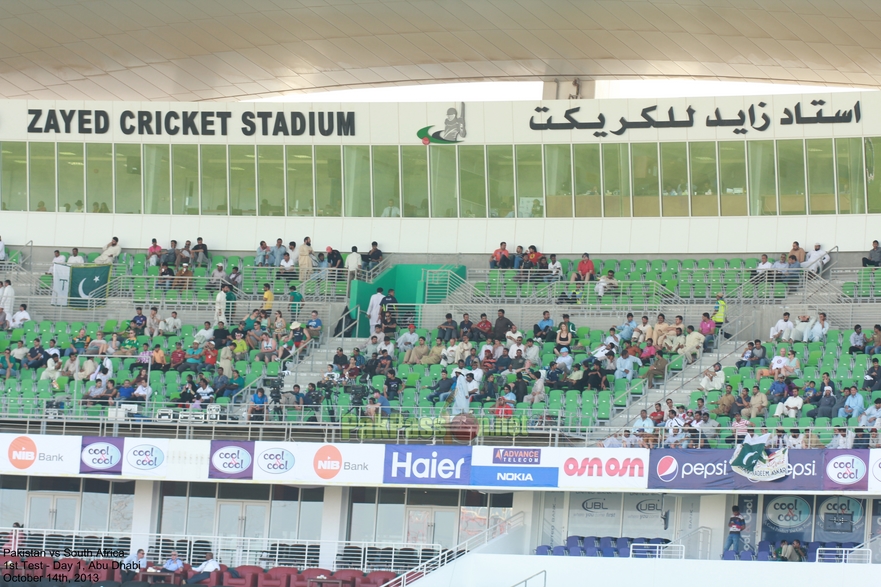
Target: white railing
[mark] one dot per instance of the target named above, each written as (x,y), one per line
(667,551)
(498,529)
(859,556)
(874,545)
(525,582)
(695,544)
(235,551)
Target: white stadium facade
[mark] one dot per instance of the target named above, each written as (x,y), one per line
(527,462)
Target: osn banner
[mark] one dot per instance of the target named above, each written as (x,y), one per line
(589,470)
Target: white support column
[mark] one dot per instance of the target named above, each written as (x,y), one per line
(528,502)
(714,516)
(145,518)
(333,524)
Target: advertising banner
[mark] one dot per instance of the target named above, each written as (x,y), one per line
(840,519)
(231,459)
(874,476)
(427,465)
(788,517)
(145,458)
(808,470)
(102,455)
(35,454)
(511,467)
(324,464)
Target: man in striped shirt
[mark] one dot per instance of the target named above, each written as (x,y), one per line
(740,426)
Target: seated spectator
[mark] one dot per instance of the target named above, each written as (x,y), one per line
(142,393)
(8,365)
(315,326)
(499,258)
(858,341)
(379,405)
(853,404)
(374,257)
(139,322)
(713,379)
(585,270)
(657,369)
(166,274)
(555,270)
(268,349)
(154,320)
(448,329)
(606,284)
(217,277)
(204,392)
(19,318)
(257,406)
(36,356)
(791,405)
(545,327)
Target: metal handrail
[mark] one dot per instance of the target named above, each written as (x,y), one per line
(860,556)
(525,582)
(704,536)
(229,550)
(498,529)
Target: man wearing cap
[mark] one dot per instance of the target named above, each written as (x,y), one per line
(713,379)
(217,277)
(407,341)
(564,359)
(183,277)
(825,406)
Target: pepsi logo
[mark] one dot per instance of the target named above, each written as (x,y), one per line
(667,468)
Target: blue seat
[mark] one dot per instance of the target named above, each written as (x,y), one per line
(729,555)
(559,551)
(573,541)
(763,555)
(608,552)
(624,552)
(543,550)
(589,541)
(575,551)
(606,542)
(591,551)
(622,543)
(746,555)
(764,546)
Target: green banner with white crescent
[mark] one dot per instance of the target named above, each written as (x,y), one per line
(88,285)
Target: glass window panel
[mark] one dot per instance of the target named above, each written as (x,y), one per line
(200,515)
(174,514)
(128,179)
(594,514)
(242,181)
(762,178)
(363,514)
(99,177)
(328,184)
(558,180)
(12,505)
(386,182)
(270,180)
(636,521)
(185,179)
(732,178)
(93,516)
(616,180)
(442,167)
(646,193)
(283,519)
(13,176)
(357,181)
(310,520)
(472,181)
(157,179)
(821,176)
(472,521)
(300,181)
(530,192)
(587,181)
(873,174)
(71,177)
(414,181)
(791,176)
(674,179)
(704,184)
(122,509)
(42,169)
(500,175)
(214,180)
(851,177)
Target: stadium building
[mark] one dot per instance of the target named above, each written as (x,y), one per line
(130,416)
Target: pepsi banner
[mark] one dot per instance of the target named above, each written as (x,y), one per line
(808,470)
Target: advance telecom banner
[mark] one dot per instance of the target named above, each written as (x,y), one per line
(373,465)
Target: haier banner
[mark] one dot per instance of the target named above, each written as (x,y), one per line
(427,465)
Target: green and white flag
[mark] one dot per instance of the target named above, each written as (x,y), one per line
(752,461)
(88,285)
(60,284)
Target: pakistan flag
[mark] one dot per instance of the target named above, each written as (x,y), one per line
(751,460)
(88,285)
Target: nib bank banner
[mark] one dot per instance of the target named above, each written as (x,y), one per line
(808,470)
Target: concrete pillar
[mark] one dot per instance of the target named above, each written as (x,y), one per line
(333,524)
(145,518)
(528,502)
